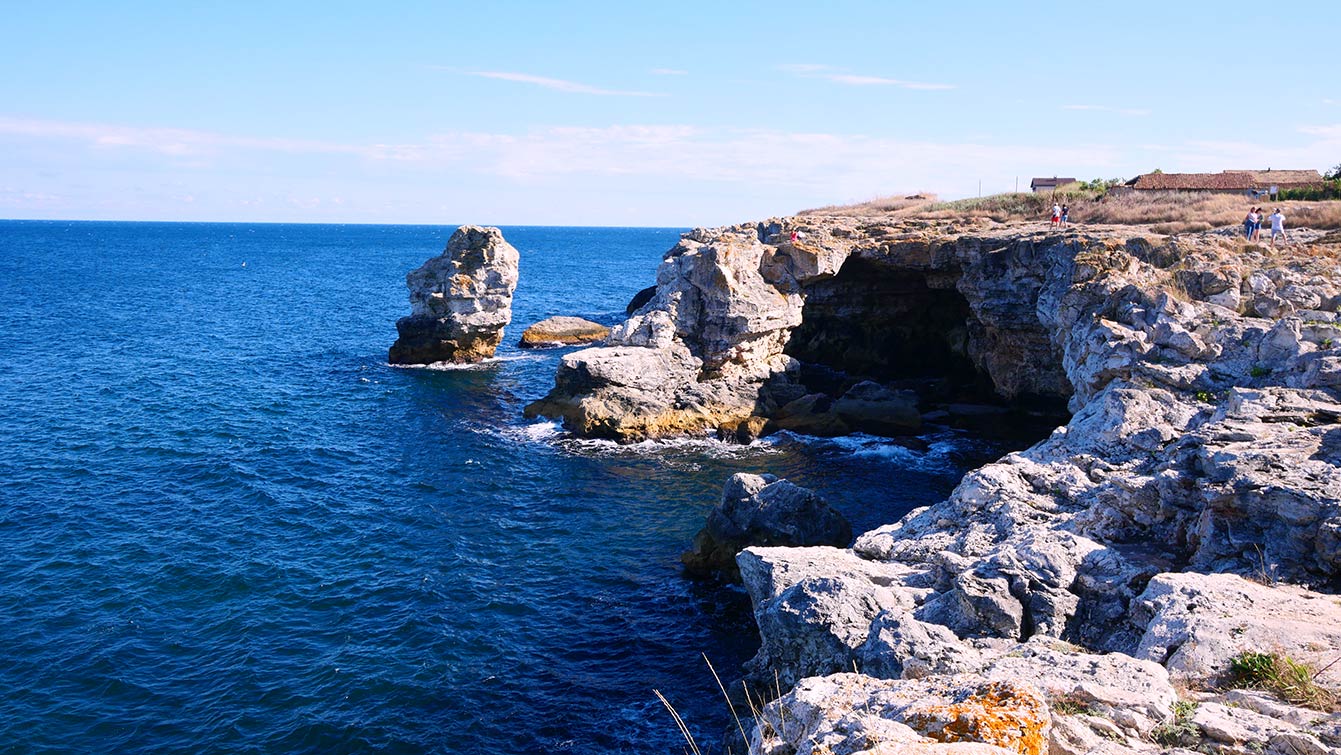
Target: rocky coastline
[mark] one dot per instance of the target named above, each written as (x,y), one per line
(1098,592)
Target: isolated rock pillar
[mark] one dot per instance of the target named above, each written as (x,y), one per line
(460,301)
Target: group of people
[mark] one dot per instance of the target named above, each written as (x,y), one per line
(1252,225)
(1061,215)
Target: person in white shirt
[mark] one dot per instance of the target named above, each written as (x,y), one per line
(1056,214)
(1277,227)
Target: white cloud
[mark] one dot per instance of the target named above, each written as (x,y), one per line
(1108,109)
(1329,133)
(560,85)
(676,170)
(829,73)
(175,142)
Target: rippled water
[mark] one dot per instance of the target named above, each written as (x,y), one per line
(227,525)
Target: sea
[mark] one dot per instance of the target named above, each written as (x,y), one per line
(227,525)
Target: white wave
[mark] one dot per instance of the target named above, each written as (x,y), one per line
(453,366)
(710,447)
(539,431)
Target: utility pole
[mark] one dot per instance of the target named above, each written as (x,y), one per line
(1017,184)
(979,188)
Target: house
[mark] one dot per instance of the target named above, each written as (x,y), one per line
(1248,182)
(1049,184)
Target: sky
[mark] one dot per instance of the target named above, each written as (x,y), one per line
(635,114)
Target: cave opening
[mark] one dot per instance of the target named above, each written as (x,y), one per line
(908,330)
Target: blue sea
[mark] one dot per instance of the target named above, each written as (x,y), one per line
(227,525)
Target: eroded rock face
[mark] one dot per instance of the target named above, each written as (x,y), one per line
(563,331)
(1203,440)
(747,303)
(460,301)
(762,510)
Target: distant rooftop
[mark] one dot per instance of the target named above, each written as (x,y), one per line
(1229,180)
(1049,183)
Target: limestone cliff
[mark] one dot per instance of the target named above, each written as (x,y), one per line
(1100,565)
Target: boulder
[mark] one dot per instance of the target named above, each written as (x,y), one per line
(853,713)
(563,331)
(869,407)
(1194,624)
(639,299)
(812,414)
(460,301)
(762,510)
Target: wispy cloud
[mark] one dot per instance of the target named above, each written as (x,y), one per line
(560,85)
(1108,109)
(838,76)
(684,160)
(668,72)
(178,142)
(1330,133)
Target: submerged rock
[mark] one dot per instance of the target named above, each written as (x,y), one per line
(460,301)
(563,331)
(762,510)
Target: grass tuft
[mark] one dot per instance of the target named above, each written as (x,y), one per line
(1179,731)
(1290,680)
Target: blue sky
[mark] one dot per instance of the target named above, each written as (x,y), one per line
(620,113)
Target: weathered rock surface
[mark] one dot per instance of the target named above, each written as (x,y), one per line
(762,510)
(460,301)
(563,331)
(1196,623)
(852,713)
(1204,379)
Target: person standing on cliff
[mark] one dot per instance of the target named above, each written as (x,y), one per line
(1066,215)
(1277,227)
(1056,214)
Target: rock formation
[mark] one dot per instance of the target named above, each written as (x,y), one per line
(1203,374)
(460,301)
(563,331)
(762,510)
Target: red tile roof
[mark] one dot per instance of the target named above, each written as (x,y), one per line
(1229,180)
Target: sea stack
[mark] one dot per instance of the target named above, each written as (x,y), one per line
(460,301)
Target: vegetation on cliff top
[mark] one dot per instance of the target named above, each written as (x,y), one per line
(1165,212)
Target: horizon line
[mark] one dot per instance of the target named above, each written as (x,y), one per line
(351,222)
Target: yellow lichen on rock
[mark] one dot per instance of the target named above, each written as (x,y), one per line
(1001,713)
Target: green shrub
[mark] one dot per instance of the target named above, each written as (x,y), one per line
(1329,190)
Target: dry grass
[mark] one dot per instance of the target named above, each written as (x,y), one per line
(880,206)
(1165,212)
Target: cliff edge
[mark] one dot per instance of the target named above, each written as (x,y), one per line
(1187,516)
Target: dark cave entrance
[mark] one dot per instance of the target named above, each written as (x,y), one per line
(908,330)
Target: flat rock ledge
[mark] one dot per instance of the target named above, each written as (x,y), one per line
(559,331)
(1187,513)
(460,301)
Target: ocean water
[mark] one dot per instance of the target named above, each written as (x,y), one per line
(226,525)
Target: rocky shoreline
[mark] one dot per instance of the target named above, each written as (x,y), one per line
(1089,594)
